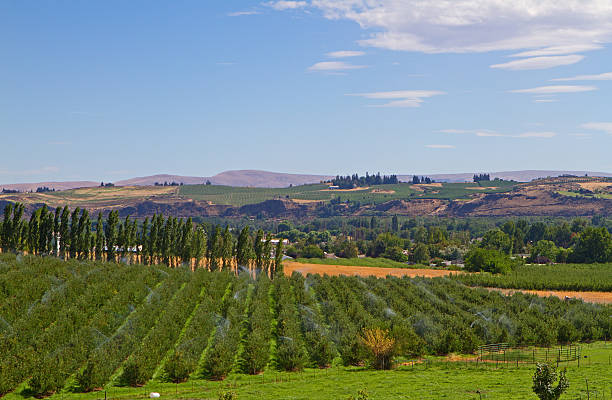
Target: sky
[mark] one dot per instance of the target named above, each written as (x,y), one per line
(107,90)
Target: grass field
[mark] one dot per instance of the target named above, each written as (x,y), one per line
(239,196)
(435,380)
(595,195)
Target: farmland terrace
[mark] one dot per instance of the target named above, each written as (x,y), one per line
(551,197)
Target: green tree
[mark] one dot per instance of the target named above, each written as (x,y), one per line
(278,258)
(420,255)
(497,240)
(99,237)
(594,246)
(544,378)
(111,234)
(483,260)
(244,248)
(544,251)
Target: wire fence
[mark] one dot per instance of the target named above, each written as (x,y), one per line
(505,353)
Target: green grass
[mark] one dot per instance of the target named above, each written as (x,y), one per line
(435,380)
(239,196)
(359,262)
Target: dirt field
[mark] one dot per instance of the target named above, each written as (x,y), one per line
(335,270)
(590,297)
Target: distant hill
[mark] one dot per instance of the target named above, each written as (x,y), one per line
(519,176)
(27,187)
(267,179)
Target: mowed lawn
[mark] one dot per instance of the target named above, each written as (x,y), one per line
(435,380)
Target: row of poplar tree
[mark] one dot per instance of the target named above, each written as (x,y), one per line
(71,234)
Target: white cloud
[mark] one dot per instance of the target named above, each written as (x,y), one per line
(546,135)
(540,62)
(463,26)
(440,146)
(545,100)
(559,50)
(286,5)
(400,98)
(242,13)
(490,133)
(607,76)
(581,136)
(598,126)
(333,66)
(345,53)
(556,89)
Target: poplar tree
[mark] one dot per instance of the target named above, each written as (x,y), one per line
(227,249)
(111,234)
(278,259)
(74,232)
(244,247)
(64,231)
(99,237)
(259,248)
(198,245)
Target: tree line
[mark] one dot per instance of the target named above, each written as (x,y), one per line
(160,240)
(353,181)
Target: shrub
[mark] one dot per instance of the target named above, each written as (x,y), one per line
(543,379)
(381,347)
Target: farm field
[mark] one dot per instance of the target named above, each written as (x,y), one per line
(589,297)
(72,327)
(434,380)
(363,271)
(572,277)
(239,196)
(358,262)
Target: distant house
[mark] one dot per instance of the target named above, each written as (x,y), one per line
(334,187)
(275,241)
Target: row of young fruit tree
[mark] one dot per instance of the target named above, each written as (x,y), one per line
(86,325)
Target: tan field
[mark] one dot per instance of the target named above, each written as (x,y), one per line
(589,297)
(335,270)
(345,190)
(595,185)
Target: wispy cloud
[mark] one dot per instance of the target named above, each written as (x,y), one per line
(539,62)
(598,126)
(242,13)
(556,89)
(225,63)
(334,66)
(440,146)
(552,100)
(286,4)
(606,76)
(581,136)
(490,133)
(345,53)
(559,50)
(400,98)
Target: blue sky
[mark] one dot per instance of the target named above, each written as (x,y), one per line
(106,90)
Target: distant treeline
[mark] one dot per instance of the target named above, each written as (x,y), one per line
(482,177)
(423,179)
(71,235)
(353,181)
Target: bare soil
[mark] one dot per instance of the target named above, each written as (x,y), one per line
(589,297)
(380,272)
